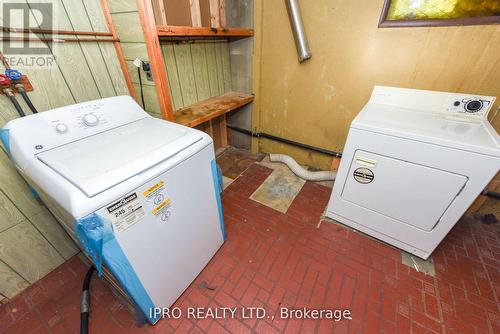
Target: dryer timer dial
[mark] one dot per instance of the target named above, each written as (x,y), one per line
(473,106)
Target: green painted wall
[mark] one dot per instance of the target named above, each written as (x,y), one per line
(31,242)
(196,70)
(128,28)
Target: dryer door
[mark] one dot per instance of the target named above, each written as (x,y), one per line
(413,194)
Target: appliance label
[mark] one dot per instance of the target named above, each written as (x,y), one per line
(363,175)
(125,212)
(162,206)
(155,190)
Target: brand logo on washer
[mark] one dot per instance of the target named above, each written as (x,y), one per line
(122,202)
(363,175)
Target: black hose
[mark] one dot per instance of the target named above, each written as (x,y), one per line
(15,103)
(492,194)
(26,98)
(140,84)
(85,306)
(285,141)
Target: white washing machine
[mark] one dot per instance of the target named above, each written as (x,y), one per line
(414,161)
(141,195)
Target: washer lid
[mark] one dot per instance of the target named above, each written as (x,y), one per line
(99,162)
(474,135)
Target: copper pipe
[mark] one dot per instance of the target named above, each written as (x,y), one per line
(59,40)
(4,61)
(55,32)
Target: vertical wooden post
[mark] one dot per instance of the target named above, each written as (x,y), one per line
(210,129)
(214,14)
(223,130)
(146,14)
(222,13)
(194,5)
(118,48)
(159,11)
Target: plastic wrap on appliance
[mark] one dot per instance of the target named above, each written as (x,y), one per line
(91,231)
(96,237)
(217,178)
(4,137)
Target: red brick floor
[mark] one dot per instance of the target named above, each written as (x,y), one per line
(272,259)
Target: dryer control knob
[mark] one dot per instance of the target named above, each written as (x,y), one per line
(61,128)
(473,106)
(90,120)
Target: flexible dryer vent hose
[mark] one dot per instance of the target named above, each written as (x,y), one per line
(300,171)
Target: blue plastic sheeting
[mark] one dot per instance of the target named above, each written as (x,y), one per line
(96,237)
(116,261)
(34,192)
(221,181)
(217,185)
(92,232)
(4,137)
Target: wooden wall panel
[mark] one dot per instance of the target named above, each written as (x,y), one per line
(212,69)
(178,12)
(172,74)
(150,99)
(205,13)
(31,242)
(128,27)
(121,6)
(200,69)
(197,70)
(92,51)
(226,67)
(10,214)
(98,22)
(54,233)
(27,252)
(10,282)
(184,61)
(82,90)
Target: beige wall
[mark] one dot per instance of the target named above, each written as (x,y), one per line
(315,102)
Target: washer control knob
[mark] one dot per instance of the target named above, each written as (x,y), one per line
(90,120)
(61,128)
(473,106)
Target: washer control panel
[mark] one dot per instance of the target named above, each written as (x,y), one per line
(57,127)
(477,106)
(81,116)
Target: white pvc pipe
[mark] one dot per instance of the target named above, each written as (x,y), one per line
(300,171)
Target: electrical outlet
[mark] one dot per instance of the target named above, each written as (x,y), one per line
(147,69)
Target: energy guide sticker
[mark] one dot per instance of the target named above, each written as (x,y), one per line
(125,212)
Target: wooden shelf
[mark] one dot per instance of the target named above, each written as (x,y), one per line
(206,110)
(178,31)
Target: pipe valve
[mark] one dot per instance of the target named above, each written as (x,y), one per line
(4,81)
(13,75)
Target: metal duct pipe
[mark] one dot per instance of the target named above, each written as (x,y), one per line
(299,34)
